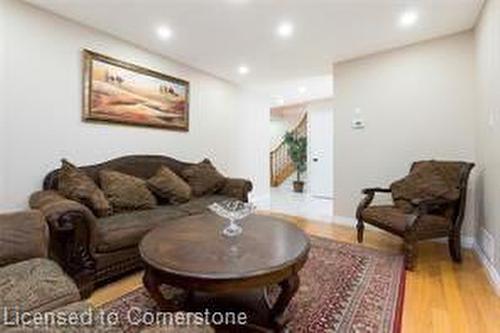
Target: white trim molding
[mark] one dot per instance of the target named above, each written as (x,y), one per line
(492,274)
(467,242)
(262,201)
(350,222)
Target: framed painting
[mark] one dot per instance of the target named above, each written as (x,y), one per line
(120,92)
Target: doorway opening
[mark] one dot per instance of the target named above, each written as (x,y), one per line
(312,120)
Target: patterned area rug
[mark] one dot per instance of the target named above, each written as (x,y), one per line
(344,288)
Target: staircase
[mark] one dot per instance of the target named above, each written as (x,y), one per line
(282,166)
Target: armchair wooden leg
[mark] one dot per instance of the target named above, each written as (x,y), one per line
(455,246)
(360,226)
(410,253)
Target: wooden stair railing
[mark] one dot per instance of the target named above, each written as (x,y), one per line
(282,166)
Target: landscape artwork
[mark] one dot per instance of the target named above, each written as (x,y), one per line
(119,92)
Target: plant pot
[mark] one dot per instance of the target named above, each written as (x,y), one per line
(298,187)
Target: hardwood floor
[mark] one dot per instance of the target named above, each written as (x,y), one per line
(440,296)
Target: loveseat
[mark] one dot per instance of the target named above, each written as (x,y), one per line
(95,250)
(32,286)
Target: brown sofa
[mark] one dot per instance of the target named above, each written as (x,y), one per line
(94,250)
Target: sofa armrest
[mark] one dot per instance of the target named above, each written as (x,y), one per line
(56,208)
(237,188)
(72,229)
(24,235)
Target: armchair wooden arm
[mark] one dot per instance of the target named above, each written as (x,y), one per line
(364,203)
(375,189)
(367,200)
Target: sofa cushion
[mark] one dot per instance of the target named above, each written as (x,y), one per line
(125,230)
(36,284)
(167,185)
(396,219)
(23,235)
(200,205)
(76,185)
(126,192)
(203,178)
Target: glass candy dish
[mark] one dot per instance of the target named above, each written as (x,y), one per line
(233,211)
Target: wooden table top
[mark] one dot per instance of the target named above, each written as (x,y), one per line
(195,247)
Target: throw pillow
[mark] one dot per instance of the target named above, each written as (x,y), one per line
(126,192)
(424,183)
(76,185)
(167,185)
(203,178)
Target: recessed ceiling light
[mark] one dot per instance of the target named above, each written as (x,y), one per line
(285,29)
(408,18)
(243,70)
(164,32)
(302,90)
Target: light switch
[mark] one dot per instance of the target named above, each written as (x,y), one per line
(358,121)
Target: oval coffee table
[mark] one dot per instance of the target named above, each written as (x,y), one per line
(192,254)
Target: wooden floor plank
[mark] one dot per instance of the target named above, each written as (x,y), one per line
(441,296)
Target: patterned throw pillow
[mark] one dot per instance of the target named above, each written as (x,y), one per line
(126,192)
(203,178)
(167,185)
(425,182)
(76,185)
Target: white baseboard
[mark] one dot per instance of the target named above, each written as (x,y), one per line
(262,202)
(344,220)
(491,272)
(467,242)
(350,222)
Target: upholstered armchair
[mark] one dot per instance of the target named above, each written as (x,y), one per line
(428,203)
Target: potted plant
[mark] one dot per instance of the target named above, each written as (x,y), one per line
(297,151)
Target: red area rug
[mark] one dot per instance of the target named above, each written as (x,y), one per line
(344,288)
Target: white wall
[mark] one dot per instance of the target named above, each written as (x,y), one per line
(488,126)
(251,143)
(418,102)
(283,119)
(43,108)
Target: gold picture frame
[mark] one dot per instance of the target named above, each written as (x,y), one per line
(119,92)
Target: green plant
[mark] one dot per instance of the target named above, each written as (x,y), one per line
(297,151)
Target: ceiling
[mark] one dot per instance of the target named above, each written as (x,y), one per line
(218,36)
